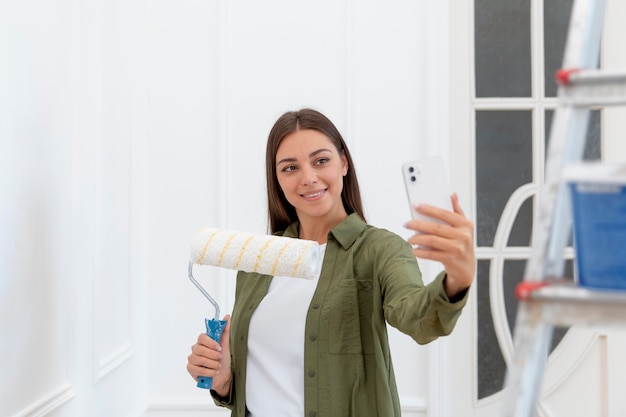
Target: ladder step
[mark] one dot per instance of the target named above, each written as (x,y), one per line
(592,87)
(590,76)
(565,303)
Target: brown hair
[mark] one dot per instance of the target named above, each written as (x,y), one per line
(281,213)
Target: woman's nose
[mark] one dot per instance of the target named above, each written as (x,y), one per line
(308,176)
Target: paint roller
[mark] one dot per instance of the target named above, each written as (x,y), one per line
(249,252)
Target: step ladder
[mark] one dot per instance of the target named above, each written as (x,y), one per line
(545,299)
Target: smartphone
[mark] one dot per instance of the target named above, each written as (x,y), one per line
(426,182)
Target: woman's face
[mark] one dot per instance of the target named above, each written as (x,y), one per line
(310,173)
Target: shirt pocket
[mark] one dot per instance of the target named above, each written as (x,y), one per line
(350,321)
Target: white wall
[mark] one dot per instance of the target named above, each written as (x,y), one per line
(73,301)
(132,123)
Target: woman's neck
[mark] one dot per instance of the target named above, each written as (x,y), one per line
(317,230)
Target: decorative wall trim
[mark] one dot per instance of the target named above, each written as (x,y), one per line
(112,333)
(413,405)
(351,104)
(409,406)
(113,360)
(184,404)
(223,184)
(49,402)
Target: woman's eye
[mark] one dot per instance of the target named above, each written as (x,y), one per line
(289,168)
(322,161)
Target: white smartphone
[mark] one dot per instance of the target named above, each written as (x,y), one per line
(426,182)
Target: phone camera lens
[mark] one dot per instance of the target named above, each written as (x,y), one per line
(413,178)
(411,169)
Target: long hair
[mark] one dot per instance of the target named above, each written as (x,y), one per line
(281,213)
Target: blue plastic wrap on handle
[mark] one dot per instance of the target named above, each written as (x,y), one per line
(214,329)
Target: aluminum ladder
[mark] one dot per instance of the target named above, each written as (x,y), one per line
(545,301)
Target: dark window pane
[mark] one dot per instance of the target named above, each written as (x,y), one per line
(503,164)
(491,365)
(512,275)
(523,225)
(568,271)
(502,48)
(556,15)
(593,147)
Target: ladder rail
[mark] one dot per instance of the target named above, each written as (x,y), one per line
(523,380)
(582,47)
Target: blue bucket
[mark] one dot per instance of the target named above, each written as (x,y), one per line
(598,195)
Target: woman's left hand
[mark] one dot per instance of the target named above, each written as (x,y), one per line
(451,243)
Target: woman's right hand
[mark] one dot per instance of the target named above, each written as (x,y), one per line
(211,359)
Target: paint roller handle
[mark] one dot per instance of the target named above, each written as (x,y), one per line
(214,329)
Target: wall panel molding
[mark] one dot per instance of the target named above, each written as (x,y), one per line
(46,404)
(111,294)
(224,183)
(113,360)
(177,406)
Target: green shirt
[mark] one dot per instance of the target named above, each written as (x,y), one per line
(369,276)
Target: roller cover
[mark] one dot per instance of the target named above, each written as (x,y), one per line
(265,254)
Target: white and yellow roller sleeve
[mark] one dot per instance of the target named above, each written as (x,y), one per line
(265,254)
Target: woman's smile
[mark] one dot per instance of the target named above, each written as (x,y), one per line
(314,196)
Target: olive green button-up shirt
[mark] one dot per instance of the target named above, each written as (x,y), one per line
(369,277)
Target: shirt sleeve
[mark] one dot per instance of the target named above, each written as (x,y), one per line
(423,312)
(227,402)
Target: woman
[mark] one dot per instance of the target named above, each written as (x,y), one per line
(320,348)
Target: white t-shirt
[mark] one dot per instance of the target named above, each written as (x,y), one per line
(275,367)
